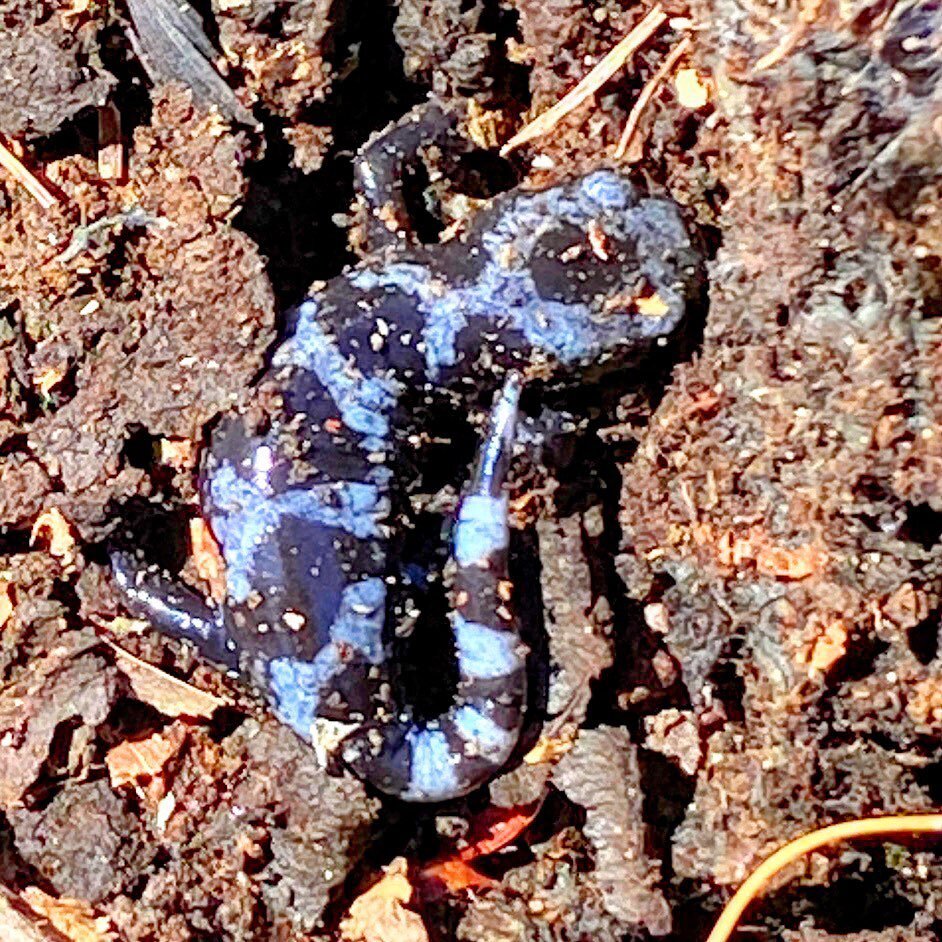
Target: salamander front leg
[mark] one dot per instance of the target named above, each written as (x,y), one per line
(457,752)
(389,159)
(174,609)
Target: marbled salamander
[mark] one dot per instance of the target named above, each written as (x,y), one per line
(300,503)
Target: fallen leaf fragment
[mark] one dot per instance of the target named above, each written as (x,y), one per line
(51,524)
(379,914)
(490,832)
(455,876)
(830,647)
(166,694)
(73,918)
(133,760)
(495,828)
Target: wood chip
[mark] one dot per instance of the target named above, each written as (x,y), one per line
(166,694)
(652,305)
(549,749)
(111,162)
(178,453)
(133,760)
(692,91)
(608,66)
(19,923)
(47,379)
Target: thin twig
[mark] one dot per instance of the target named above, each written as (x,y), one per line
(758,881)
(15,167)
(614,60)
(647,93)
(808,12)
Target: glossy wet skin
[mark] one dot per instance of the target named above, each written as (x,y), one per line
(301,505)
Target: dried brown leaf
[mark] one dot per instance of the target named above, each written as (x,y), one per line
(166,694)
(64,686)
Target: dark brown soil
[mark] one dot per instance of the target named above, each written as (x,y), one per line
(734,588)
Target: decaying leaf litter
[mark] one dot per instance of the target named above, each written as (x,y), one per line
(740,582)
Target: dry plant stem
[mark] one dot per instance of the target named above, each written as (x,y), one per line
(15,167)
(647,93)
(759,879)
(614,60)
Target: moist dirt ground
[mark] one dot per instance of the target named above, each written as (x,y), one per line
(734,586)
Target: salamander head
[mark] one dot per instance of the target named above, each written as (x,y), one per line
(591,267)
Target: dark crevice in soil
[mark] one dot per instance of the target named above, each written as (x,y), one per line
(14,542)
(667,793)
(130,719)
(863,650)
(924,638)
(155,530)
(693,913)
(922,525)
(289,213)
(930,778)
(726,680)
(850,903)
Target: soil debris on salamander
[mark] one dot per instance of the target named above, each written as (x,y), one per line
(724,563)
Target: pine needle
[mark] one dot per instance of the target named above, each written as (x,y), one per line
(611,63)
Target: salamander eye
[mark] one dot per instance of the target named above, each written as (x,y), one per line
(572,264)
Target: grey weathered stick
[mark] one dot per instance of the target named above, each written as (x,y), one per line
(168,38)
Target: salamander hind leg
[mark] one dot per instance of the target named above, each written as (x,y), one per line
(458,751)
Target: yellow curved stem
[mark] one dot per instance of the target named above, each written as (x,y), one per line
(759,879)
